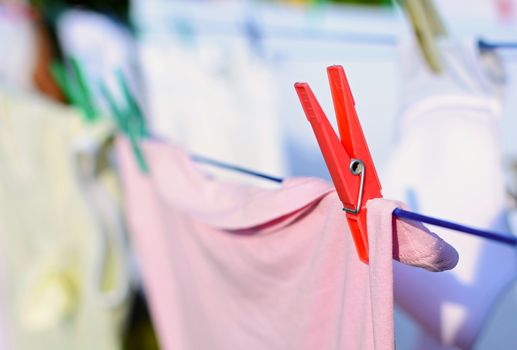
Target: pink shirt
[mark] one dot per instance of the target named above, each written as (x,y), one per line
(229,266)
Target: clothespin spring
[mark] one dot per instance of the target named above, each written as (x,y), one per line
(357,168)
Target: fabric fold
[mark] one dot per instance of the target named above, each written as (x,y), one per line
(229,266)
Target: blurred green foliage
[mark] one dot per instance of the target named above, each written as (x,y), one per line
(50,9)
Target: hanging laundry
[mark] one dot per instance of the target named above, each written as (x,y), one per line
(447,163)
(230,266)
(214,97)
(53,243)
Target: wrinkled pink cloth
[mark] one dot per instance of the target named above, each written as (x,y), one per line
(228,266)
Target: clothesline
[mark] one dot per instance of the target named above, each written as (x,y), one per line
(483,44)
(494,236)
(256,32)
(400,213)
(222,165)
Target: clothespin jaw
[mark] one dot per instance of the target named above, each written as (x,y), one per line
(348,160)
(350,131)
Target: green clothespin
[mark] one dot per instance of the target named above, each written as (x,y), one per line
(129,119)
(75,88)
(133,106)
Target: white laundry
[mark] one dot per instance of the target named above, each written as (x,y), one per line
(64,277)
(447,162)
(216,102)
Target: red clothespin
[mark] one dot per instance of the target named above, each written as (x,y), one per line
(349,161)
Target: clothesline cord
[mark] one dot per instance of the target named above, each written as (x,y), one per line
(205,160)
(483,44)
(404,214)
(400,213)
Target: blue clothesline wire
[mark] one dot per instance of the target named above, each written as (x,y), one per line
(205,160)
(400,213)
(483,44)
(494,236)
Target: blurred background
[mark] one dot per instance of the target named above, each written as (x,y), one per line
(217,77)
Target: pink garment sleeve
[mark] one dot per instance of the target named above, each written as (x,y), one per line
(413,243)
